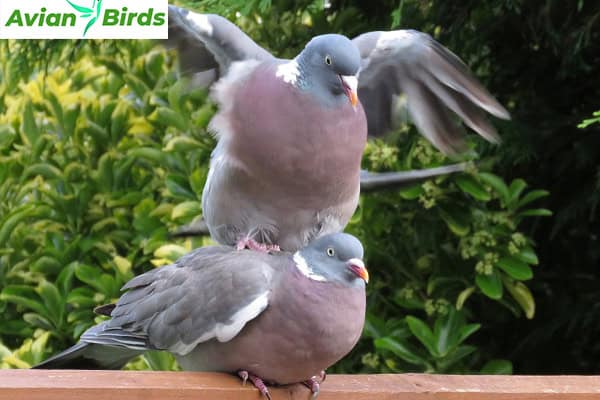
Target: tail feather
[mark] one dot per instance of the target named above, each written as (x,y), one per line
(85,355)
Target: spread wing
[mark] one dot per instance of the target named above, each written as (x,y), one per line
(434,81)
(210,293)
(207,44)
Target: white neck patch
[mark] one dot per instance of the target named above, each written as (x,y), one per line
(303,267)
(289,72)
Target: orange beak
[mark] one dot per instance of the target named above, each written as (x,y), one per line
(358,268)
(350,83)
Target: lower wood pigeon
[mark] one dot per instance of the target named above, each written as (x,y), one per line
(291,133)
(275,318)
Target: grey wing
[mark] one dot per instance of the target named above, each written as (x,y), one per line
(433,79)
(210,293)
(207,44)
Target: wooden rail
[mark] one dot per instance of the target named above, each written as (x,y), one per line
(128,385)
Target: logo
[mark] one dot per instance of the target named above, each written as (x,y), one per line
(79,19)
(93,12)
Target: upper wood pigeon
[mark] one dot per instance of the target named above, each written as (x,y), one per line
(282,317)
(291,133)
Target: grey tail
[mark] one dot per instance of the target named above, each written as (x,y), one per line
(376,181)
(85,355)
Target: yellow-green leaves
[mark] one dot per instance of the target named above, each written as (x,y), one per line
(100,157)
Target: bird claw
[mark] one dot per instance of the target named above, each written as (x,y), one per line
(256,381)
(314,385)
(247,243)
(322,376)
(244,376)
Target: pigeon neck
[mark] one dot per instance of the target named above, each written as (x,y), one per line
(305,269)
(292,72)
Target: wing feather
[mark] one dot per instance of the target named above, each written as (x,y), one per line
(434,80)
(210,293)
(208,44)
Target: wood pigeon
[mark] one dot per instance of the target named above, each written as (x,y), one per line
(275,318)
(291,133)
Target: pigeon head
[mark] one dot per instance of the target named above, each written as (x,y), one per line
(330,64)
(335,257)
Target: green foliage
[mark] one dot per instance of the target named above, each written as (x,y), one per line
(99,158)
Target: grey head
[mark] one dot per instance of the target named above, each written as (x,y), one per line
(336,257)
(329,66)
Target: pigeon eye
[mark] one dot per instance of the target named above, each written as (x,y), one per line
(328,59)
(330,251)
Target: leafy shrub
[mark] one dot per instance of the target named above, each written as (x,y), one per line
(95,169)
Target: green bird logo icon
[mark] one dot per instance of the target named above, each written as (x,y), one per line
(93,12)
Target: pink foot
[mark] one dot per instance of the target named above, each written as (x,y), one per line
(256,381)
(247,243)
(314,383)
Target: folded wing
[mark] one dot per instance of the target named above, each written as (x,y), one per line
(209,294)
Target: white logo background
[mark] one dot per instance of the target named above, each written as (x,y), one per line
(96,31)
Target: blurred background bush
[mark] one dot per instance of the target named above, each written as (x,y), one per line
(104,153)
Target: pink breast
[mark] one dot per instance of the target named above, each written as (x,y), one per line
(287,137)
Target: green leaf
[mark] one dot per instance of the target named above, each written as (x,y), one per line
(179,187)
(9,225)
(29,129)
(496,183)
(536,212)
(532,196)
(46,265)
(470,186)
(527,254)
(522,296)
(412,192)
(463,296)
(7,135)
(82,297)
(53,301)
(38,321)
(186,210)
(445,329)
(516,188)
(456,219)
(159,360)
(466,331)
(423,333)
(170,251)
(490,285)
(139,87)
(151,154)
(103,283)
(46,170)
(182,144)
(497,367)
(515,268)
(24,296)
(167,117)
(400,350)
